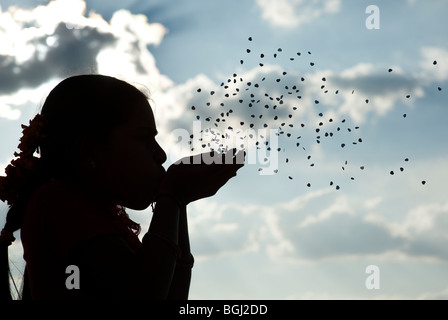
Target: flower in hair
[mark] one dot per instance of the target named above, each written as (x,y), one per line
(32,135)
(24,166)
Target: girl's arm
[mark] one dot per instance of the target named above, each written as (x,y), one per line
(109,269)
(180,285)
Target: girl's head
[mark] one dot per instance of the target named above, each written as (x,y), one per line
(96,132)
(100,134)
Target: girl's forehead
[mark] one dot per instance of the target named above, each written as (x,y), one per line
(142,116)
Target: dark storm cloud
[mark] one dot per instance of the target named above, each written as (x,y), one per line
(376,84)
(75,52)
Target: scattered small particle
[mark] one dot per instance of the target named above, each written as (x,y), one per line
(434,62)
(193,108)
(248,50)
(408,96)
(308,185)
(407,159)
(404,115)
(311,63)
(199,90)
(250,39)
(423,182)
(401,169)
(390,70)
(337,188)
(361,167)
(290,178)
(342,145)
(391,173)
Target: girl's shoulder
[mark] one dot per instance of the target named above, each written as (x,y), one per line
(63,213)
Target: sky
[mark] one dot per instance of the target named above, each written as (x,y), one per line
(339,105)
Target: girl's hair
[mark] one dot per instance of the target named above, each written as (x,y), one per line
(80,111)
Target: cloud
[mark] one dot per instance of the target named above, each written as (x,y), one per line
(374,90)
(434,64)
(219,230)
(293,13)
(424,228)
(53,41)
(319,225)
(438,295)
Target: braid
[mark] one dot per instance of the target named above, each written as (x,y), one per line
(23,175)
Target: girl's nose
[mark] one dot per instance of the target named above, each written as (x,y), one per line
(160,154)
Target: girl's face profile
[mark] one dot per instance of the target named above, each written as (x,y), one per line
(129,166)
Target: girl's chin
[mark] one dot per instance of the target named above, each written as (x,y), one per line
(139,205)
(143,200)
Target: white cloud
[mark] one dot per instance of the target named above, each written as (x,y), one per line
(431,72)
(374,90)
(52,41)
(321,225)
(133,34)
(422,219)
(339,206)
(437,295)
(372,203)
(293,13)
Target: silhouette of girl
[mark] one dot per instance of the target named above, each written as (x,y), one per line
(98,155)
